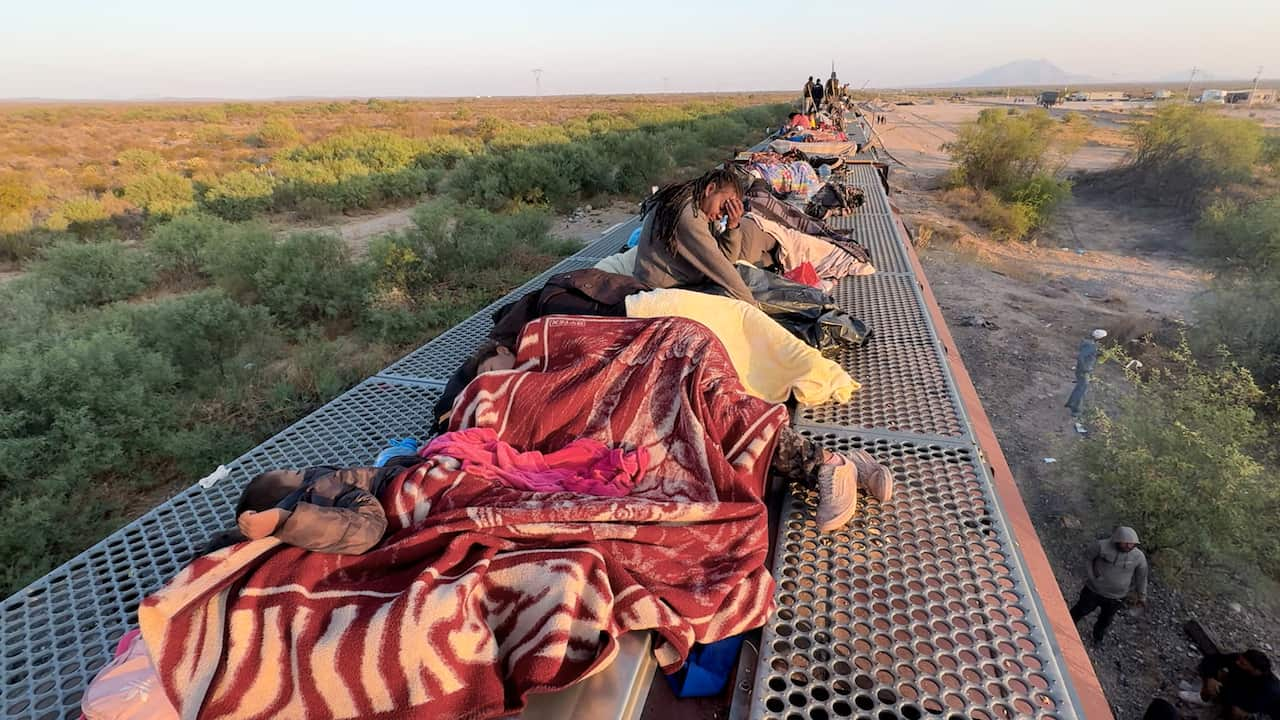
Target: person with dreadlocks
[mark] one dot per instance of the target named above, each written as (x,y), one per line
(691,236)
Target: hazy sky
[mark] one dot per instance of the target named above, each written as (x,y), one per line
(270,48)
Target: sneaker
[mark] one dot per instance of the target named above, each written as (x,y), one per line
(873,477)
(1081,429)
(837,492)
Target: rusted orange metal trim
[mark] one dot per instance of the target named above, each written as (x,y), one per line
(1092,702)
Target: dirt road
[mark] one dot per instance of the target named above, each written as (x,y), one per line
(1100,265)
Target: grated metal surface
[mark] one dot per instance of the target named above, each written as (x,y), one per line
(879,234)
(865,176)
(918,608)
(611,242)
(59,631)
(904,390)
(441,356)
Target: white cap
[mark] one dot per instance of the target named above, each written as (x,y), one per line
(1099,334)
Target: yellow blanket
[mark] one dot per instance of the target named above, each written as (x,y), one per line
(771,362)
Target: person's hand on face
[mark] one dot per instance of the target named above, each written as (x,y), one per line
(733,208)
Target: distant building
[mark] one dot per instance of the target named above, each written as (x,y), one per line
(1213,96)
(1250,97)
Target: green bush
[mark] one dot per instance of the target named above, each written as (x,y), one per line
(1244,316)
(310,278)
(1244,238)
(73,407)
(22,246)
(239,195)
(1010,158)
(74,274)
(198,333)
(999,149)
(160,193)
(232,260)
(1178,459)
(1009,221)
(306,278)
(140,162)
(278,132)
(178,246)
(1184,152)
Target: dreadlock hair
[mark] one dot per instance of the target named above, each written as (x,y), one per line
(668,202)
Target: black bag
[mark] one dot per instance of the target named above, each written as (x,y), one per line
(806,312)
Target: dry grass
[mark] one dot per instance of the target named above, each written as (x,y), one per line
(68,151)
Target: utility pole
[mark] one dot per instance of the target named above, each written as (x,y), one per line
(537,83)
(1257,76)
(1189,81)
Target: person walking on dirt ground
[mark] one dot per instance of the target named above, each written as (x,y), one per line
(1114,566)
(1086,360)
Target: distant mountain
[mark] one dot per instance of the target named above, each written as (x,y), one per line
(1020,72)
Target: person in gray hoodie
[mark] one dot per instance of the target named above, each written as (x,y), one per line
(1115,567)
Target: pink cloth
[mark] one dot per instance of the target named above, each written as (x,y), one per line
(583,466)
(128,688)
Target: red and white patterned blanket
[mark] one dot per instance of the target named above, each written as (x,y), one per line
(483,593)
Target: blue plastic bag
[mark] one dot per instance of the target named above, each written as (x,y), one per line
(707,670)
(634,240)
(396,448)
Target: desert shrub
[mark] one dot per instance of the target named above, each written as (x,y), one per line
(139,162)
(278,132)
(1178,459)
(1243,316)
(23,246)
(73,274)
(82,402)
(233,258)
(1042,193)
(305,278)
(198,333)
(239,195)
(72,407)
(1001,151)
(1245,238)
(1183,152)
(372,150)
(642,161)
(16,196)
(80,215)
(160,193)
(178,246)
(1008,221)
(1010,158)
(446,150)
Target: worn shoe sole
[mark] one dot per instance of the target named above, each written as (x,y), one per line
(849,473)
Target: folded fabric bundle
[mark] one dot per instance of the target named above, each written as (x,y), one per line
(811,149)
(481,592)
(831,259)
(797,177)
(583,466)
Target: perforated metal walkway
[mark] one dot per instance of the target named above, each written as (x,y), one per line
(920,607)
